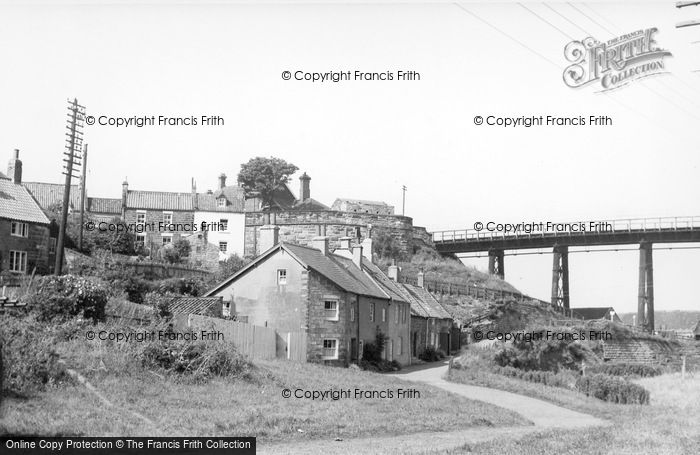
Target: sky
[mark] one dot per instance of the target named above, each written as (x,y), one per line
(365,139)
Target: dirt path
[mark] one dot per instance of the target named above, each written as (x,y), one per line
(544,416)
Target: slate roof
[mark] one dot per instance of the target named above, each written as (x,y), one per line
(310,205)
(592,312)
(423,303)
(104,205)
(159,200)
(195,305)
(360,201)
(233,194)
(389,286)
(48,194)
(337,269)
(17,203)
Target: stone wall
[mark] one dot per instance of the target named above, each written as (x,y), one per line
(301,227)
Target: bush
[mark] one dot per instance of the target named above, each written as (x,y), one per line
(430,354)
(544,354)
(563,379)
(626,370)
(59,298)
(30,362)
(612,388)
(183,286)
(372,356)
(196,360)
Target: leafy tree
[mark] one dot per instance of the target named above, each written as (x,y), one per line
(262,176)
(386,246)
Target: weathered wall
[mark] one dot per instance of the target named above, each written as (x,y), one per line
(301,227)
(36,245)
(154,237)
(257,295)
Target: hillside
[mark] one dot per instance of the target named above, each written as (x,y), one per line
(669,320)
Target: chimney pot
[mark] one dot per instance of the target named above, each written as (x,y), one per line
(269,237)
(321,243)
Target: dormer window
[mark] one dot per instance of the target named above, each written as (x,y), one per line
(221,202)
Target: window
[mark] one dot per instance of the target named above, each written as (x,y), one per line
(52,245)
(396,314)
(399,346)
(19,229)
(18,261)
(352,314)
(383,314)
(282,276)
(226,310)
(223,246)
(330,309)
(167,239)
(140,217)
(167,217)
(140,240)
(223,225)
(330,349)
(371,312)
(221,202)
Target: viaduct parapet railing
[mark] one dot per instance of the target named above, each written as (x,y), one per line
(495,239)
(547,234)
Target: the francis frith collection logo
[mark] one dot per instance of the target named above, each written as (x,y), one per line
(616,62)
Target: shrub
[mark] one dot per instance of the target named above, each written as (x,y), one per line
(430,354)
(196,360)
(59,298)
(372,356)
(563,379)
(182,286)
(30,362)
(626,369)
(612,388)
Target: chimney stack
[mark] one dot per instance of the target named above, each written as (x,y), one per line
(320,243)
(357,256)
(14,168)
(222,181)
(421,279)
(125,192)
(393,272)
(367,248)
(195,198)
(305,187)
(269,237)
(345,243)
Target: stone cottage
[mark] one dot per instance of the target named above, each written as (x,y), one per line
(334,298)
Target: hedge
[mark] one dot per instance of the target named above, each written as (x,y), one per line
(626,369)
(612,388)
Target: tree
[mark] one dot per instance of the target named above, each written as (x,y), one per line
(262,176)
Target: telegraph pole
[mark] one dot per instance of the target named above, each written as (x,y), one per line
(403,202)
(74,145)
(82,198)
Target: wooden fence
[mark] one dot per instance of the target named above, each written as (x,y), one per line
(255,341)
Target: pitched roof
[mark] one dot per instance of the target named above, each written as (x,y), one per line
(310,205)
(48,194)
(104,205)
(233,194)
(424,304)
(389,286)
(17,203)
(337,269)
(592,312)
(195,305)
(3,176)
(360,201)
(159,200)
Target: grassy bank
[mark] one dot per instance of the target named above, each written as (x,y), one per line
(253,405)
(669,424)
